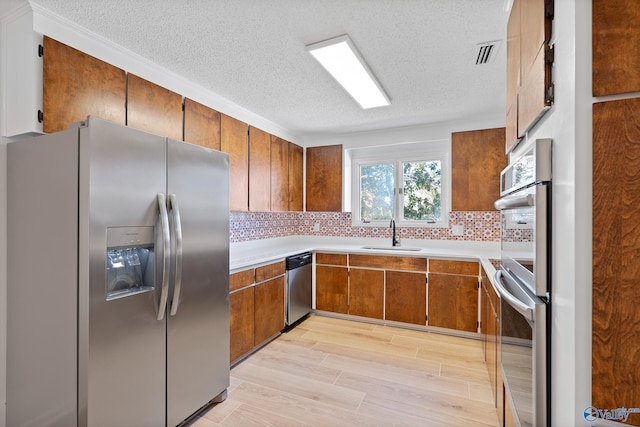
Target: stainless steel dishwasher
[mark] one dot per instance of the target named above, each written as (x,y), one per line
(298,301)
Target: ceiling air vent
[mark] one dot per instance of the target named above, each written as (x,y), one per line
(487,52)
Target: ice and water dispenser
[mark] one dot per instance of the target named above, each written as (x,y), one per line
(129,261)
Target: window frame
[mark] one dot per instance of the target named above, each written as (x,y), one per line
(398,154)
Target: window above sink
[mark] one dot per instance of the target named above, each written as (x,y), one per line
(406,182)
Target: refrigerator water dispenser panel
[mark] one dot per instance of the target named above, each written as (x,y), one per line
(129,261)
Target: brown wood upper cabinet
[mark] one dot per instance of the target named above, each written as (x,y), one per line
(279,174)
(529,60)
(259,169)
(234,140)
(324,178)
(616,43)
(201,125)
(296,182)
(76,85)
(477,158)
(616,245)
(153,108)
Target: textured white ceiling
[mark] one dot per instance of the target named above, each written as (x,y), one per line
(252,52)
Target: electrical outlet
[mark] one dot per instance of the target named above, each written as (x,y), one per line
(316,226)
(457,230)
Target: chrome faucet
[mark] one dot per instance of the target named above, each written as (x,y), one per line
(394,240)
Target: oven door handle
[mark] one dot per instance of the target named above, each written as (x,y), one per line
(516,303)
(515,201)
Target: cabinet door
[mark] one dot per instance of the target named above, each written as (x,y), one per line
(269,309)
(406,297)
(241,309)
(259,170)
(279,174)
(532,98)
(616,246)
(296,183)
(324,178)
(616,43)
(453,302)
(332,289)
(477,158)
(76,85)
(513,76)
(366,293)
(234,140)
(153,108)
(201,125)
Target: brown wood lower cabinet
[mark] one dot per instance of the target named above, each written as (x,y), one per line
(241,308)
(453,302)
(509,416)
(332,289)
(366,293)
(406,297)
(269,309)
(256,309)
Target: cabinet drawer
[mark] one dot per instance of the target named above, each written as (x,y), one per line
(388,262)
(268,271)
(470,268)
(331,259)
(241,279)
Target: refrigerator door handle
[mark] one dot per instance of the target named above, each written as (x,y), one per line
(177,226)
(166,245)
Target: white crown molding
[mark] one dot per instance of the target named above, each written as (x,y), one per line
(78,37)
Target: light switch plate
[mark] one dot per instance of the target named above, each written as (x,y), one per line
(457,230)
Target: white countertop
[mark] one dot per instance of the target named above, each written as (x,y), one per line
(256,252)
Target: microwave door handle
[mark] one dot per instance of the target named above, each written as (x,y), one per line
(166,245)
(518,305)
(177,226)
(515,201)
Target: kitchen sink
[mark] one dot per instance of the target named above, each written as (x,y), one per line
(392,248)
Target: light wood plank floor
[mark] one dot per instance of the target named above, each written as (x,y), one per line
(333,372)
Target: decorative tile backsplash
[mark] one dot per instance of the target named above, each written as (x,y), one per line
(246,226)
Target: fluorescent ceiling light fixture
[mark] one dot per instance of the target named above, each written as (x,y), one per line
(343,61)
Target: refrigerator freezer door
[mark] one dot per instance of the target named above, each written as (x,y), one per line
(198,319)
(121,342)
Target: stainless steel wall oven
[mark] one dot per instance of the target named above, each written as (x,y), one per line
(524,284)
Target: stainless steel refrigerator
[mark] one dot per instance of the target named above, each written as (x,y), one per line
(118,278)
